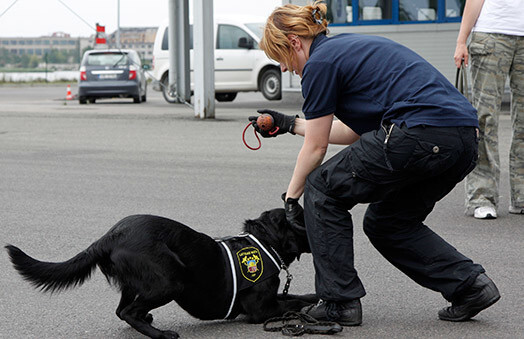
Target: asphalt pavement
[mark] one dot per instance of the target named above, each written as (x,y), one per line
(68,172)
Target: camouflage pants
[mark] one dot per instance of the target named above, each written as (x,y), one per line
(494,57)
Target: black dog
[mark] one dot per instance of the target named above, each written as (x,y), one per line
(154,260)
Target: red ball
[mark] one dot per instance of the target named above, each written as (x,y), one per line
(265,122)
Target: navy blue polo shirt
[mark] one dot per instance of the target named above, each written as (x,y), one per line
(366,79)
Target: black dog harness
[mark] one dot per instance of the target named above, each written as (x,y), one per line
(249,262)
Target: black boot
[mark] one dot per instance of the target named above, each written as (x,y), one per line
(348,313)
(481,295)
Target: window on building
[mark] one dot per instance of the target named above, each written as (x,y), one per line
(38,51)
(21,42)
(374,10)
(454,8)
(384,12)
(14,42)
(417,10)
(46,42)
(5,42)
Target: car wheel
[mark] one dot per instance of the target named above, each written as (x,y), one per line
(270,84)
(92,100)
(223,97)
(136,99)
(144,98)
(82,100)
(169,96)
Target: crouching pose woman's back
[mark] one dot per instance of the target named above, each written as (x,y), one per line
(412,137)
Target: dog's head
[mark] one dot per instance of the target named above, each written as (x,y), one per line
(273,228)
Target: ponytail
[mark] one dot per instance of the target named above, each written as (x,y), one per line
(304,21)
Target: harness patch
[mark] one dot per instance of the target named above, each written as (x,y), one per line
(248,268)
(251,263)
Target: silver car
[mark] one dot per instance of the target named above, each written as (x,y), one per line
(111,73)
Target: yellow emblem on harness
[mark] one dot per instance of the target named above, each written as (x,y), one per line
(251,264)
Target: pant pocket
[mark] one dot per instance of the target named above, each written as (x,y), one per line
(481,44)
(431,158)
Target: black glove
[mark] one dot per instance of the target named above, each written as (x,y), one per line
(294,213)
(285,123)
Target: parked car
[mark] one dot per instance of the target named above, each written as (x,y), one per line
(111,73)
(240,65)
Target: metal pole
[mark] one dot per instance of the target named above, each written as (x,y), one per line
(172,48)
(118,26)
(183,81)
(204,59)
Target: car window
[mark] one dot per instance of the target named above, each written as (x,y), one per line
(257,28)
(107,59)
(135,59)
(229,35)
(165,38)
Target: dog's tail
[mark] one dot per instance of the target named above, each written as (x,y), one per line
(54,277)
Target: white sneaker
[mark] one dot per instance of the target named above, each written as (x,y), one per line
(516,210)
(485,212)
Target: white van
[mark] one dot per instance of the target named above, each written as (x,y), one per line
(240,65)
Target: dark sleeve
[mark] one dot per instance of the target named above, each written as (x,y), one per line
(320,89)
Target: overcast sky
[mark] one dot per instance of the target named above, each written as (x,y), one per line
(33,18)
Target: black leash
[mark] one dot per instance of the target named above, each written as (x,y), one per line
(289,276)
(295,324)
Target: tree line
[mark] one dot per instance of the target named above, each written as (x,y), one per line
(54,56)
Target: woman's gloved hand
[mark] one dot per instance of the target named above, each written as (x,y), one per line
(285,123)
(294,213)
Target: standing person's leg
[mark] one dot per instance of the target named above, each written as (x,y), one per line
(330,233)
(330,192)
(395,227)
(369,170)
(516,154)
(490,64)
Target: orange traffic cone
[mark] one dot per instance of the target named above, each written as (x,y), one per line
(68,95)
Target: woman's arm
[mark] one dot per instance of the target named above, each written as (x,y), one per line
(316,139)
(469,17)
(340,133)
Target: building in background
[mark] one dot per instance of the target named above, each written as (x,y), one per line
(140,39)
(40,46)
(429,27)
(71,49)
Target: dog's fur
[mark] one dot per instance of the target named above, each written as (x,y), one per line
(154,260)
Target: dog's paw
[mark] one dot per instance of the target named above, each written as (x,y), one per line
(169,335)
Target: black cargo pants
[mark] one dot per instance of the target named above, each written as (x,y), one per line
(401,173)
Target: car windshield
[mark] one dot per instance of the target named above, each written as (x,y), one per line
(256,28)
(107,59)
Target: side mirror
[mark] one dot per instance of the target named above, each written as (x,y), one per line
(245,43)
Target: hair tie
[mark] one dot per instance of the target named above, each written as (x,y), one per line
(313,14)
